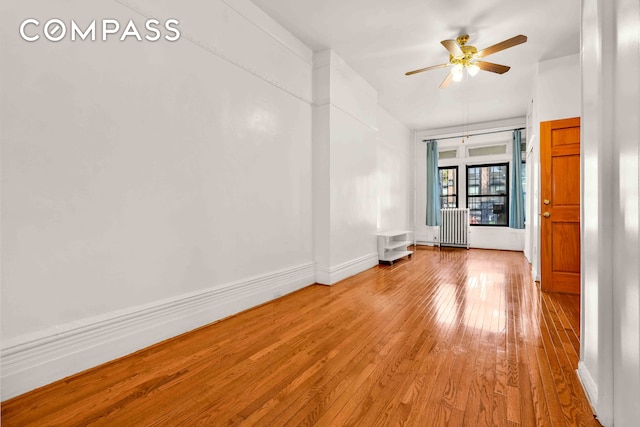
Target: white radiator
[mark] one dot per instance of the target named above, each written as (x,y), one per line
(454,227)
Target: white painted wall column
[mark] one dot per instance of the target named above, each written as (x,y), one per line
(610,341)
(626,277)
(344,170)
(395,174)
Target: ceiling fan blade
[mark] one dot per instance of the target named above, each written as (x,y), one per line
(447,81)
(426,69)
(513,41)
(453,48)
(490,66)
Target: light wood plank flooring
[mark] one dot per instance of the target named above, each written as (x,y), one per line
(450,337)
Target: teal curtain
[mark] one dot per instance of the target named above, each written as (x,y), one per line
(433,184)
(516,210)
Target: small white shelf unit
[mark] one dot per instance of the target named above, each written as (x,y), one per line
(392,245)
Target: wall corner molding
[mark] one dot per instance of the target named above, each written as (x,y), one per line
(249,12)
(332,275)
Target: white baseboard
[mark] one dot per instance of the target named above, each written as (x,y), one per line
(29,362)
(534,274)
(426,243)
(588,384)
(332,275)
(427,235)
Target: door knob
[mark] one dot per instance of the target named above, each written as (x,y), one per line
(546,201)
(546,214)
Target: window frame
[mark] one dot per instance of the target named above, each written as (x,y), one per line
(457,194)
(506,195)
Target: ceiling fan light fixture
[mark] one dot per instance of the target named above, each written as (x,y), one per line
(473,70)
(456,73)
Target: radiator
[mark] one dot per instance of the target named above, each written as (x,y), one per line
(454,228)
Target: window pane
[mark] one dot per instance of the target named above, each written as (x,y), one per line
(487,151)
(448,202)
(473,181)
(487,180)
(448,187)
(449,154)
(488,210)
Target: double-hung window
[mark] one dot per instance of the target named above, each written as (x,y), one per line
(448,177)
(488,194)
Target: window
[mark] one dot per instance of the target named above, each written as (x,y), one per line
(487,150)
(488,194)
(447,154)
(448,177)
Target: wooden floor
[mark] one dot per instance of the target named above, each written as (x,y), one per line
(451,337)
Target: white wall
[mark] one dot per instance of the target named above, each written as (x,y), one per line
(395,174)
(345,170)
(610,338)
(149,188)
(503,238)
(556,95)
(558,88)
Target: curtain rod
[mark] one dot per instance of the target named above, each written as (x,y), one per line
(473,134)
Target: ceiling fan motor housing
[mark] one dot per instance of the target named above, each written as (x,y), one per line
(468,51)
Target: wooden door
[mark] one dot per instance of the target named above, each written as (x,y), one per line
(560,205)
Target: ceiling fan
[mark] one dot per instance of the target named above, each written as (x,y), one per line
(462,56)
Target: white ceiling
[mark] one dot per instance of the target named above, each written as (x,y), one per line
(383,39)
